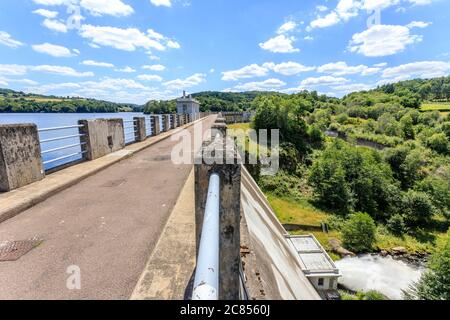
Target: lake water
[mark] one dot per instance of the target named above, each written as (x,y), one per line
(50,120)
(383,274)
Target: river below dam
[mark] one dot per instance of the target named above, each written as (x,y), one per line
(373,272)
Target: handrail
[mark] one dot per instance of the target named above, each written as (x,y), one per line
(59,128)
(206,281)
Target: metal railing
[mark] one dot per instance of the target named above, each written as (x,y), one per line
(206,281)
(51,154)
(129,128)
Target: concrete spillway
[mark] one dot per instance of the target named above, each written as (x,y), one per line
(278,262)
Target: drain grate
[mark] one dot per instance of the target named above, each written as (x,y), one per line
(13,250)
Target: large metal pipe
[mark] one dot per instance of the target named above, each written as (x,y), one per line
(206,282)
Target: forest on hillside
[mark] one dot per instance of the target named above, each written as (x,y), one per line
(14,101)
(373,165)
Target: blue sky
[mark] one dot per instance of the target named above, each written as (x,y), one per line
(137,50)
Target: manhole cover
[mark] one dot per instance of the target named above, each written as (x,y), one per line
(114,183)
(13,250)
(162,158)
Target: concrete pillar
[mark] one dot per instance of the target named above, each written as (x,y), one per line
(173,119)
(140,129)
(102,136)
(180,120)
(166,122)
(230,207)
(20,156)
(185,119)
(155,125)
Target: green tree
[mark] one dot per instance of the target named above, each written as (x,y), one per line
(435,282)
(358,232)
(417,209)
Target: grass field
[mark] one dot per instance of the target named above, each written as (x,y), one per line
(431,106)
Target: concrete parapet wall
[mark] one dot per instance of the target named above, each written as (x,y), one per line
(102,136)
(140,129)
(20,156)
(229,210)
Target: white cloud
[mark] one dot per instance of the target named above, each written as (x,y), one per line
(280,44)
(420,69)
(348,88)
(53,50)
(173,44)
(267,85)
(50,2)
(380,65)
(308,38)
(418,24)
(321,8)
(347,9)
(3,82)
(110,7)
(5,39)
(382,40)
(150,77)
(46,13)
(324,80)
(127,69)
(165,3)
(12,70)
(286,27)
(250,71)
(191,81)
(55,25)
(59,70)
(420,2)
(154,67)
(123,39)
(97,64)
(322,22)
(288,68)
(341,68)
(379,4)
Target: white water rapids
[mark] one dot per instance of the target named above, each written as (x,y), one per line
(383,274)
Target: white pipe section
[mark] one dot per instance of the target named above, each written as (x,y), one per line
(206,282)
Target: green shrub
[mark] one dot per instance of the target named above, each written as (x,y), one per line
(417,209)
(358,233)
(435,282)
(396,225)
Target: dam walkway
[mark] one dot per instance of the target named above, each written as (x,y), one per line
(107,224)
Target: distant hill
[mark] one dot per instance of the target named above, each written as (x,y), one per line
(17,101)
(228,101)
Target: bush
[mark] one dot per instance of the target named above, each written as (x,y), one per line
(435,282)
(358,232)
(396,225)
(417,209)
(439,143)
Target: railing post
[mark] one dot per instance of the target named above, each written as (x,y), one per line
(174,121)
(101,137)
(139,129)
(166,122)
(20,156)
(155,125)
(215,158)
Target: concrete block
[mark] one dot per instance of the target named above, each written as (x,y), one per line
(156,128)
(102,137)
(180,119)
(20,156)
(230,208)
(173,120)
(140,129)
(166,122)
